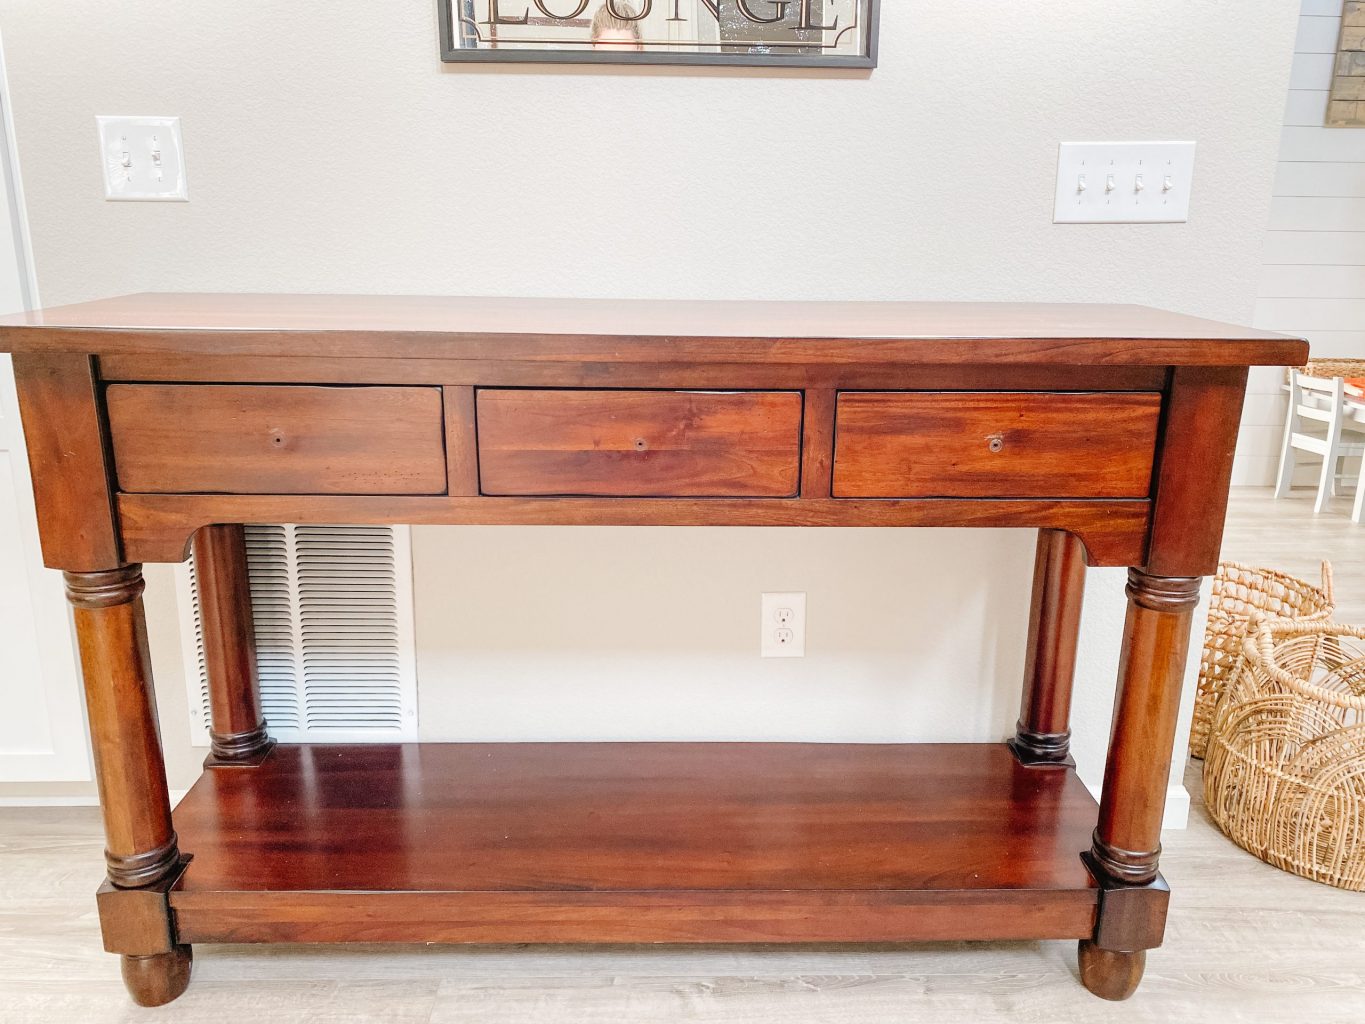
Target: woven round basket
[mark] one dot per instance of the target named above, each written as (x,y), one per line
(1242,593)
(1285,772)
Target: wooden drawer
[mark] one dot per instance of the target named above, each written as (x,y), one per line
(259,439)
(639,443)
(995,444)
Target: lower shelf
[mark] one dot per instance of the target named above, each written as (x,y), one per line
(635,842)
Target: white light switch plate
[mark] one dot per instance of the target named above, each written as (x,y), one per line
(143,159)
(1124,182)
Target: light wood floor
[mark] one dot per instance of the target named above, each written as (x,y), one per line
(1246,942)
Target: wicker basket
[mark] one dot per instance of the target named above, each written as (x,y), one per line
(1241,593)
(1329,368)
(1285,773)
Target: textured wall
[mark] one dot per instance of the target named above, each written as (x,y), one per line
(329,150)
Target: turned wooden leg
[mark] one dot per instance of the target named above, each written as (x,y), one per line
(1044,730)
(1126,849)
(140,844)
(238,734)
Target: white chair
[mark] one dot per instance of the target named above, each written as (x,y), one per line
(1355,410)
(1321,400)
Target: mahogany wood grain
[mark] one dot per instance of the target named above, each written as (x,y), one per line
(1043,735)
(157,527)
(171,438)
(817,450)
(158,979)
(111,633)
(137,922)
(237,735)
(462,444)
(613,330)
(619,842)
(1203,413)
(988,444)
(1115,428)
(71,481)
(639,443)
(706,374)
(1109,974)
(1127,841)
(1130,917)
(710,917)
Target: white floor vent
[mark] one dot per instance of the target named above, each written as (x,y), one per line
(334,634)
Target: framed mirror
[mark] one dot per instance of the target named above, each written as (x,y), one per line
(772,33)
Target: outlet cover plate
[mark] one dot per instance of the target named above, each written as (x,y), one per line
(1085,170)
(783,612)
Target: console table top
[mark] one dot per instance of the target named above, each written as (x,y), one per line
(640,330)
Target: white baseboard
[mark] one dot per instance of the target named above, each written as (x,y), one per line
(49,801)
(1177,814)
(70,801)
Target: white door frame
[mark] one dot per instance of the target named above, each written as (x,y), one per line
(55,748)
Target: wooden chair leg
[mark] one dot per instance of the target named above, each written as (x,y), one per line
(1126,849)
(140,844)
(238,735)
(1043,735)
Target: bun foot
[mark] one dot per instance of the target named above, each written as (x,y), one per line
(1108,974)
(156,980)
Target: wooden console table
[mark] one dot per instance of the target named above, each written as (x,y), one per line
(157,422)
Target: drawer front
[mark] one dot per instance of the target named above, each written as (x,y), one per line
(991,444)
(259,439)
(639,443)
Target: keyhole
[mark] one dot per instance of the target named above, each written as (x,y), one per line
(995,443)
(277,440)
(641,445)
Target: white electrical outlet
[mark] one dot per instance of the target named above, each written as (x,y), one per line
(1124,182)
(143,159)
(784,626)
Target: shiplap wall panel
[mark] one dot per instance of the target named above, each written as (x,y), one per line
(1344,344)
(1288,282)
(1312,70)
(1313,279)
(1302,142)
(1310,314)
(1316,213)
(1315,248)
(1306,107)
(1326,180)
(1318,33)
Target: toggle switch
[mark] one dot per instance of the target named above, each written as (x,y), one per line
(143,158)
(1125,177)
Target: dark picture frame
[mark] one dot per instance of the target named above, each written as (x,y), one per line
(462,40)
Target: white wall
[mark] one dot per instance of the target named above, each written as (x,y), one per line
(1313,281)
(42,730)
(329,150)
